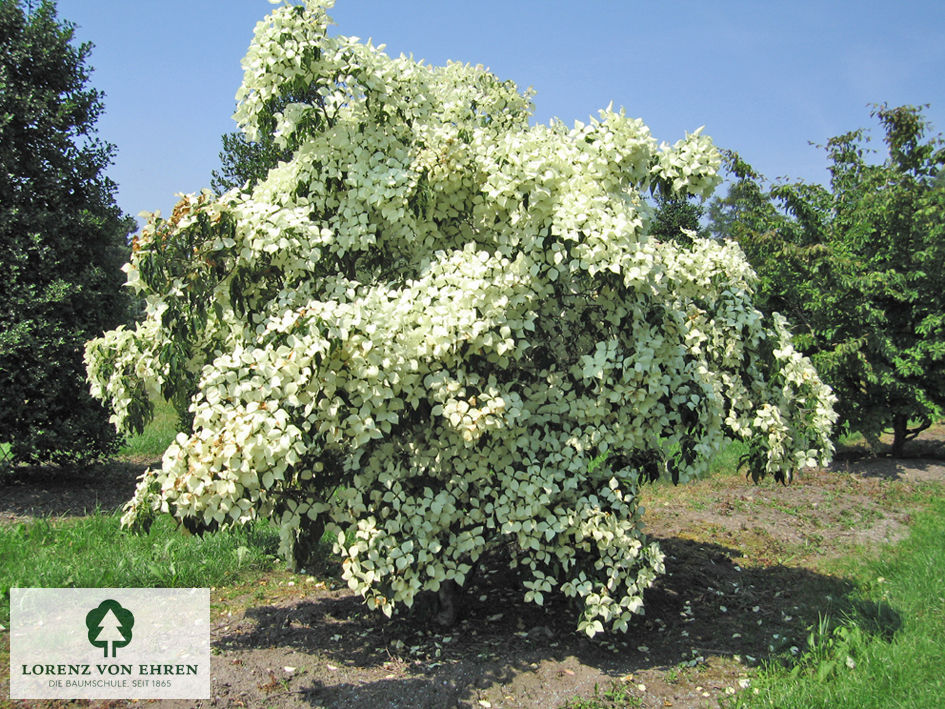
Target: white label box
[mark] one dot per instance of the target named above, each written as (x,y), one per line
(109,643)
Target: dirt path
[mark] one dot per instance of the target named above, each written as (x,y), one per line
(747,574)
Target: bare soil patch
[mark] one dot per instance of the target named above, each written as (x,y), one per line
(748,571)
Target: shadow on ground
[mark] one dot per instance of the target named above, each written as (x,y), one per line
(342,655)
(929,445)
(56,492)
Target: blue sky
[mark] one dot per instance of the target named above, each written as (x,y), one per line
(764,77)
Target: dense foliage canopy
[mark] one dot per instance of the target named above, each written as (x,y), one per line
(859,268)
(436,329)
(62,242)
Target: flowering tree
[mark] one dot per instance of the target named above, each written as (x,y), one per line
(437,329)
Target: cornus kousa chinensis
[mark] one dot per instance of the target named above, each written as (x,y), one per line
(436,330)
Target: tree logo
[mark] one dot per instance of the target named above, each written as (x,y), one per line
(109,624)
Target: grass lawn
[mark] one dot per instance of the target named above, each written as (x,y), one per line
(94,552)
(888,653)
(151,443)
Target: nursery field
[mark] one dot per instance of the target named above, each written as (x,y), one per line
(472,344)
(822,593)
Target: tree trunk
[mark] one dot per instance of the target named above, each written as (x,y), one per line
(448,597)
(900,429)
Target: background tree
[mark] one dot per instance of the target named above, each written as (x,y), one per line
(859,268)
(62,241)
(244,161)
(677,218)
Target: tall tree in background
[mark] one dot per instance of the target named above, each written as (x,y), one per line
(859,268)
(62,241)
(245,162)
(677,218)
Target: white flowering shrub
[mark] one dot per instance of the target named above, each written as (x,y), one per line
(437,329)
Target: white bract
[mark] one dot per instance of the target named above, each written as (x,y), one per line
(437,329)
